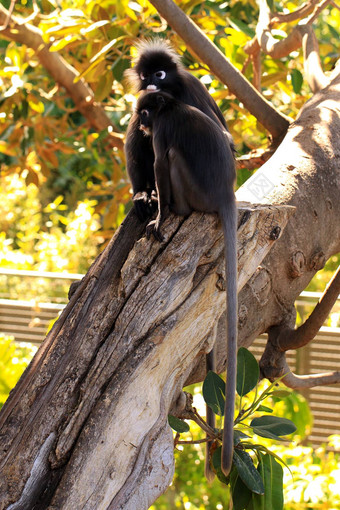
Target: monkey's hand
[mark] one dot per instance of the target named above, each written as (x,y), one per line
(143,205)
(154,228)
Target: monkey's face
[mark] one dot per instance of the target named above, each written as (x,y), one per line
(145,121)
(156,72)
(153,81)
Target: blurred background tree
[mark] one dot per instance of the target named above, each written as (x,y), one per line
(47,142)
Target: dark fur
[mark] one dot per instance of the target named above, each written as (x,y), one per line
(155,56)
(195,171)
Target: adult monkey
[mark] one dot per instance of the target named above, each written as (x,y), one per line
(195,171)
(158,67)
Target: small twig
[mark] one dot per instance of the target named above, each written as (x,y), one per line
(198,441)
(318,9)
(301,12)
(256,61)
(7,20)
(246,64)
(295,381)
(335,5)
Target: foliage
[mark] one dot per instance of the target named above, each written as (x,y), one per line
(45,140)
(305,464)
(13,360)
(256,479)
(50,238)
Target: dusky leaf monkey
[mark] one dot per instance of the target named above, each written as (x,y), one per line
(158,67)
(194,170)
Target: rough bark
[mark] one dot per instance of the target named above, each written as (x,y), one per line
(89,416)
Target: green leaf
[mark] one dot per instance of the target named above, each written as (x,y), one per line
(238,436)
(240,493)
(247,372)
(272,427)
(177,424)
(247,471)
(272,475)
(237,23)
(216,462)
(264,409)
(214,392)
(280,393)
(297,80)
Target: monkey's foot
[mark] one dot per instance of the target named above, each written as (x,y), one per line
(154,228)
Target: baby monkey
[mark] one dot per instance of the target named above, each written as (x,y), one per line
(195,171)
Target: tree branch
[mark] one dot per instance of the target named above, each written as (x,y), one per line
(316,78)
(269,45)
(296,338)
(281,48)
(295,381)
(281,339)
(62,72)
(301,12)
(275,122)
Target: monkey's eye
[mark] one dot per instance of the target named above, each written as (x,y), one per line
(142,76)
(161,75)
(145,113)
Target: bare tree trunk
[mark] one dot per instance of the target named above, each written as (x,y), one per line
(88,419)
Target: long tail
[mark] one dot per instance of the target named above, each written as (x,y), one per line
(229,224)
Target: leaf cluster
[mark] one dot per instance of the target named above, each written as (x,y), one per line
(256,479)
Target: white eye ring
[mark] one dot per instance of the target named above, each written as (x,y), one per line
(145,113)
(161,75)
(142,76)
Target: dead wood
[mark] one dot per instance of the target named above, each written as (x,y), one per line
(89,416)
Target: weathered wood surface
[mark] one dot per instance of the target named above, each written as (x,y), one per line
(89,416)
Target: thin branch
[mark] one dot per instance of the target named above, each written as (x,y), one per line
(316,78)
(301,12)
(335,5)
(269,45)
(197,441)
(273,366)
(273,362)
(276,123)
(317,11)
(256,60)
(62,72)
(296,382)
(281,48)
(294,339)
(8,16)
